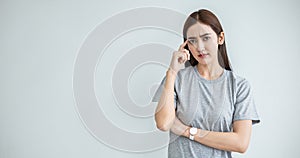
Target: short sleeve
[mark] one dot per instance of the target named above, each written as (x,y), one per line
(245,108)
(159,90)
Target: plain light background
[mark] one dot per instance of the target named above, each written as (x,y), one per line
(39,41)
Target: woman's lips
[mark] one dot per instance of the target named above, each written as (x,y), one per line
(201,55)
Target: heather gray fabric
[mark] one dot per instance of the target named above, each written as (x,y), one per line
(210,105)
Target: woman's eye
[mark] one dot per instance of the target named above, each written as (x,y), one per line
(193,41)
(206,38)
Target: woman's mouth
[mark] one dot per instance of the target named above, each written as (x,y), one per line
(201,55)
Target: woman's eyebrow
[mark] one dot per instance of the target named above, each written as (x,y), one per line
(205,34)
(192,37)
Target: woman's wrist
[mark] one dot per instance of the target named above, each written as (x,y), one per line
(187,132)
(200,133)
(172,72)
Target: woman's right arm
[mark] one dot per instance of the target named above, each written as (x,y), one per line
(165,111)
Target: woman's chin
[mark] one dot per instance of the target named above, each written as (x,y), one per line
(203,61)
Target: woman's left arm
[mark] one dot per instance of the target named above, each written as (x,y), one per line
(237,140)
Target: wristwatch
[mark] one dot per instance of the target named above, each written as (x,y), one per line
(193,131)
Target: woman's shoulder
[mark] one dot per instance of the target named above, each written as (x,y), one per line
(237,79)
(186,72)
(234,75)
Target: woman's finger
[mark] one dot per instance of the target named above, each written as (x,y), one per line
(183,57)
(183,45)
(188,53)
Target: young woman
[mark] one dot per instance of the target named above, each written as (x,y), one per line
(207,107)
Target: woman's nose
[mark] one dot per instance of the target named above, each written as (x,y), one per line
(200,46)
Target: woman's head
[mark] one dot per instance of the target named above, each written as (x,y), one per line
(206,39)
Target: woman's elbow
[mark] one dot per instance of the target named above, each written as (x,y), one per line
(242,147)
(163,127)
(241,150)
(164,124)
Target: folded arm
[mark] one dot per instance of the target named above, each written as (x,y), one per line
(237,140)
(165,111)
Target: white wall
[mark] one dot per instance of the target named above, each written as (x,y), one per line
(40,41)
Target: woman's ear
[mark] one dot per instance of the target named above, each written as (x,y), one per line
(221,38)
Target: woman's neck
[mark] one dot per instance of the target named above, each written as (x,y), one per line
(210,72)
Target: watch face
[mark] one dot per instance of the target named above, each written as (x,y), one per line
(193,130)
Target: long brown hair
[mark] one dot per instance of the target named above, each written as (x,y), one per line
(208,18)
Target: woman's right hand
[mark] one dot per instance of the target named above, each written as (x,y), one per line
(179,58)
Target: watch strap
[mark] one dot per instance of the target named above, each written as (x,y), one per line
(192,137)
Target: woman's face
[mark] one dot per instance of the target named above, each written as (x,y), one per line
(203,43)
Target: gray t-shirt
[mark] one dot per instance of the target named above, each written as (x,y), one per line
(210,105)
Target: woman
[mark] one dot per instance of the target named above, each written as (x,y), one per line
(208,108)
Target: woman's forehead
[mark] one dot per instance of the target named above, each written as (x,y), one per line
(198,29)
